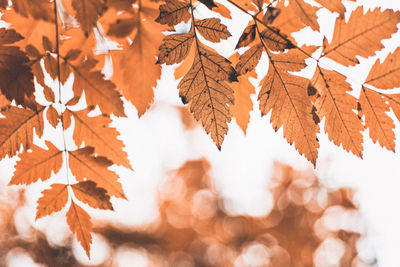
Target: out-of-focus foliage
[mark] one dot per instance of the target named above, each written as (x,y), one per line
(308,225)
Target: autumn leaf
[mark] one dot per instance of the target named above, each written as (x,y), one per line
(87,12)
(349,40)
(380,125)
(285,95)
(98,91)
(173,12)
(52,116)
(17,128)
(94,196)
(288,20)
(341,124)
(385,75)
(84,165)
(306,13)
(16,79)
(38,9)
(334,6)
(135,62)
(53,200)
(248,36)
(79,223)
(243,89)
(249,59)
(96,132)
(37,164)
(212,30)
(209,96)
(175,48)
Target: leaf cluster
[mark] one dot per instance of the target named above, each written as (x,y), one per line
(49,45)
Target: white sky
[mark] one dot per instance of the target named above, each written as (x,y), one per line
(158,142)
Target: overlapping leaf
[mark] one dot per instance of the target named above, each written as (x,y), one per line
(17,128)
(350,40)
(96,132)
(84,165)
(94,196)
(336,106)
(37,164)
(285,95)
(16,79)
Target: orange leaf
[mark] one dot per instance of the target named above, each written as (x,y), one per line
(38,9)
(334,6)
(53,200)
(385,75)
(87,12)
(16,129)
(212,30)
(52,116)
(98,91)
(306,13)
(37,164)
(79,223)
(350,40)
(242,90)
(380,125)
(249,60)
(336,105)
(286,96)
(94,196)
(209,96)
(84,166)
(96,132)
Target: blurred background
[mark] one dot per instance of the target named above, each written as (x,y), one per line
(255,203)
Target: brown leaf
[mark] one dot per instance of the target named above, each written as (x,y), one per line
(96,132)
(173,12)
(385,75)
(380,125)
(38,9)
(52,116)
(84,166)
(98,91)
(248,36)
(306,13)
(37,164)
(175,48)
(53,200)
(350,40)
(16,79)
(16,129)
(242,90)
(336,105)
(94,196)
(87,13)
(334,6)
(79,223)
(50,64)
(249,60)
(275,40)
(182,69)
(209,3)
(209,96)
(286,96)
(212,30)
(49,94)
(271,14)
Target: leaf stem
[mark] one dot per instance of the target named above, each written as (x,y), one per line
(59,89)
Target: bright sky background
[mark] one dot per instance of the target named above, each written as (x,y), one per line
(158,142)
